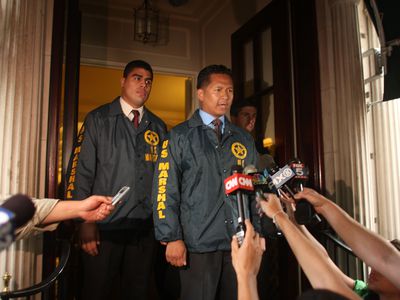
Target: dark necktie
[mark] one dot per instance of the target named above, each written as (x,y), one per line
(135,118)
(217,128)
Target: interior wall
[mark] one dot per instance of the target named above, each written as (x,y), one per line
(190,43)
(99,85)
(107,38)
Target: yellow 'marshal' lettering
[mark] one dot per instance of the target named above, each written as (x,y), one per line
(165,144)
(161,197)
(161,206)
(163,166)
(163,174)
(162,181)
(161,214)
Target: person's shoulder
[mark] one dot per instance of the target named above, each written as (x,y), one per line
(154,118)
(179,131)
(103,110)
(236,130)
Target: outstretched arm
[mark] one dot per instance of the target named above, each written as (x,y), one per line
(290,208)
(92,209)
(246,261)
(312,261)
(375,251)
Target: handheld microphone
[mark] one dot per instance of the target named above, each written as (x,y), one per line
(235,184)
(278,179)
(301,172)
(261,185)
(259,179)
(305,212)
(14,213)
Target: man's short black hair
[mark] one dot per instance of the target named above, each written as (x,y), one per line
(203,79)
(238,105)
(137,64)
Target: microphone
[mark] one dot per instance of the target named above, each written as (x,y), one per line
(278,179)
(235,184)
(261,185)
(305,212)
(301,172)
(259,179)
(14,213)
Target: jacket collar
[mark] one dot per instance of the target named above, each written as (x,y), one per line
(196,121)
(116,109)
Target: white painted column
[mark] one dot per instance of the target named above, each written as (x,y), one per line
(343,105)
(25,39)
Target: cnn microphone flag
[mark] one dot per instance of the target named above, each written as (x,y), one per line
(238,181)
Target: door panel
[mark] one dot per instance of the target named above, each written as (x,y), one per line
(262,73)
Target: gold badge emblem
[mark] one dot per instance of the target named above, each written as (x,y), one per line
(239,150)
(151,138)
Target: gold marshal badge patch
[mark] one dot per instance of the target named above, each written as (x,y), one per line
(151,138)
(239,150)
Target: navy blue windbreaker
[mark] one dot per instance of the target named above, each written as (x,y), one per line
(111,153)
(189,201)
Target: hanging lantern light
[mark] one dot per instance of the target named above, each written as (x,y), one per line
(146,23)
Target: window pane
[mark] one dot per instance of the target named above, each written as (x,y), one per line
(266,45)
(268,118)
(248,69)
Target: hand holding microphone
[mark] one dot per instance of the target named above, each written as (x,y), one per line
(262,183)
(304,213)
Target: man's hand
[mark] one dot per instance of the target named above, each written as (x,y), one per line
(89,238)
(317,200)
(176,253)
(271,205)
(246,260)
(95,208)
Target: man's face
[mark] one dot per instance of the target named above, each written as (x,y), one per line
(216,98)
(246,118)
(135,88)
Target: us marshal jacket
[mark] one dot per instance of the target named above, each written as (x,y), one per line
(111,153)
(189,201)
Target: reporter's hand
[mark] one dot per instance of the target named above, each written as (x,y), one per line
(89,238)
(271,205)
(246,260)
(316,199)
(175,253)
(95,208)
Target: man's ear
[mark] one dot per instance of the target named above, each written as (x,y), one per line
(122,81)
(200,94)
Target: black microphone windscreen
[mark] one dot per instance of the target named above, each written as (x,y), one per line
(23,208)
